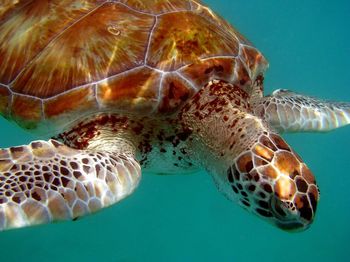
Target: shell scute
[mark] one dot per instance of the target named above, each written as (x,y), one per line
(81,99)
(187,41)
(26,110)
(135,90)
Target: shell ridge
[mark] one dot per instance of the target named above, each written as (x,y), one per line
(6,86)
(190,5)
(94,82)
(186,80)
(207,58)
(77,87)
(150,39)
(174,11)
(159,14)
(135,10)
(95,91)
(160,89)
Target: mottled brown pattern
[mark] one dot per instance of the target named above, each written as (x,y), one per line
(184,42)
(82,99)
(108,41)
(135,90)
(27,28)
(158,6)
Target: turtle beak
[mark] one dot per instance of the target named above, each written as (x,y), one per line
(289,218)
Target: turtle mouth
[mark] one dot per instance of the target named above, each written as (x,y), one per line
(285,218)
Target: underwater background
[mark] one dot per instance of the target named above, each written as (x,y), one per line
(184,217)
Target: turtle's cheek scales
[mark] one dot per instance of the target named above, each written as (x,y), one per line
(272,181)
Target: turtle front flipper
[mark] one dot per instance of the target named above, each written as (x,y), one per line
(287,111)
(48,181)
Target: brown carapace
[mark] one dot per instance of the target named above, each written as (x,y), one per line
(113,56)
(165,86)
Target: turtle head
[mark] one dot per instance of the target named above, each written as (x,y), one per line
(274,183)
(249,162)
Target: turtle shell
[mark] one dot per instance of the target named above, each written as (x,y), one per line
(62,60)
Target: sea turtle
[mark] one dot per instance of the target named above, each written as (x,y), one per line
(158,85)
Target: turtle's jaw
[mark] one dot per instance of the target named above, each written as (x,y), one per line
(287,218)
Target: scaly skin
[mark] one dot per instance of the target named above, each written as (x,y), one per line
(48,181)
(287,111)
(217,131)
(249,162)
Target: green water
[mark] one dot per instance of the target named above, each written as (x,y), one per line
(184,218)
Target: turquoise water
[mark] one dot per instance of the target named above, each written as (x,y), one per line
(184,218)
